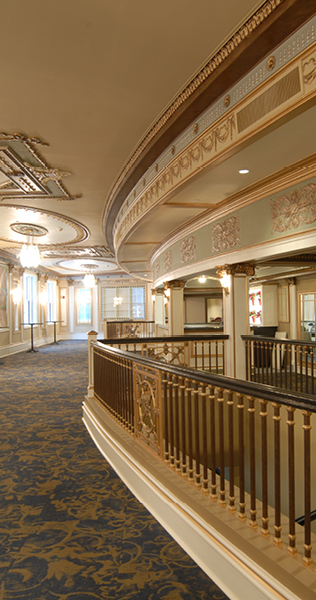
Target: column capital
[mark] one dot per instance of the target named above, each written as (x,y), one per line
(70,281)
(237,269)
(176,284)
(291,281)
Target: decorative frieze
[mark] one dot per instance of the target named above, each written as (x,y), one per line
(226,235)
(297,208)
(168,261)
(188,249)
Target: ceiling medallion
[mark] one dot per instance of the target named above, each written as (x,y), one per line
(89,266)
(28,229)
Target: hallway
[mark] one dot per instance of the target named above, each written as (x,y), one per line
(70,529)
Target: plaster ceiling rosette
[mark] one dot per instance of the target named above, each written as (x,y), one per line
(95,266)
(20,223)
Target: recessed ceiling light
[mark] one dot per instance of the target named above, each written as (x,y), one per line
(243,171)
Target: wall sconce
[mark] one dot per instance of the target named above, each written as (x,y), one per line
(153,295)
(16,295)
(202,279)
(43,298)
(166,295)
(225,280)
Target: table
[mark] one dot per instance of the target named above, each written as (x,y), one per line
(32,349)
(55,340)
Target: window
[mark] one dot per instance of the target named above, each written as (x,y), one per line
(29,298)
(84,305)
(123,302)
(51,301)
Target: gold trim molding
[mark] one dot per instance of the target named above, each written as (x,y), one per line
(232,45)
(215,142)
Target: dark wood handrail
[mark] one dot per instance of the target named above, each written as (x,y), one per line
(257,390)
(174,338)
(272,340)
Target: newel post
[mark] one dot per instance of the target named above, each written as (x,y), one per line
(92,337)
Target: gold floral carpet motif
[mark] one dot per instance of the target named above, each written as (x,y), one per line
(70,529)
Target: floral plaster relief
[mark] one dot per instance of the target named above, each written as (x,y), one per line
(187,249)
(297,208)
(226,235)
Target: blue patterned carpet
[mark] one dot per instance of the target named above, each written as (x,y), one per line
(70,529)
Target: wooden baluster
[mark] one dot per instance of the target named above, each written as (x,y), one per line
(270,379)
(248,370)
(292,537)
(301,369)
(223,346)
(312,370)
(280,363)
(171,421)
(277,540)
(307,487)
(165,410)
(306,352)
(289,362)
(266,362)
(213,445)
(176,422)
(195,354)
(296,363)
(197,435)
(222,493)
(230,404)
(284,347)
(252,448)
(190,436)
(209,356)
(183,427)
(264,447)
(202,346)
(241,446)
(204,439)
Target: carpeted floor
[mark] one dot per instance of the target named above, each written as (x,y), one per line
(70,529)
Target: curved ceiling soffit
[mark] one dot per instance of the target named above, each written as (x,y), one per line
(81,232)
(237,56)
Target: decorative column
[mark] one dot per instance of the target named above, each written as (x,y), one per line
(235,283)
(71,304)
(95,305)
(159,310)
(174,294)
(92,337)
(293,308)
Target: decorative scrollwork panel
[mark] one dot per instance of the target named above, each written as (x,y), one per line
(147,394)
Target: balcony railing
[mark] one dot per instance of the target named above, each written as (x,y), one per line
(234,440)
(288,364)
(128,328)
(202,352)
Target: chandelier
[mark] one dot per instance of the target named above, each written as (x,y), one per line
(89,280)
(117,301)
(30,256)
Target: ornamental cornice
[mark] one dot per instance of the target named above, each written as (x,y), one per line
(220,138)
(232,45)
(278,182)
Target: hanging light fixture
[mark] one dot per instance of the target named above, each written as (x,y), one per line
(30,256)
(89,280)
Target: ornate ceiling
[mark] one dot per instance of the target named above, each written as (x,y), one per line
(88,97)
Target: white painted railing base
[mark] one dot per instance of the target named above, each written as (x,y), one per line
(233,571)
